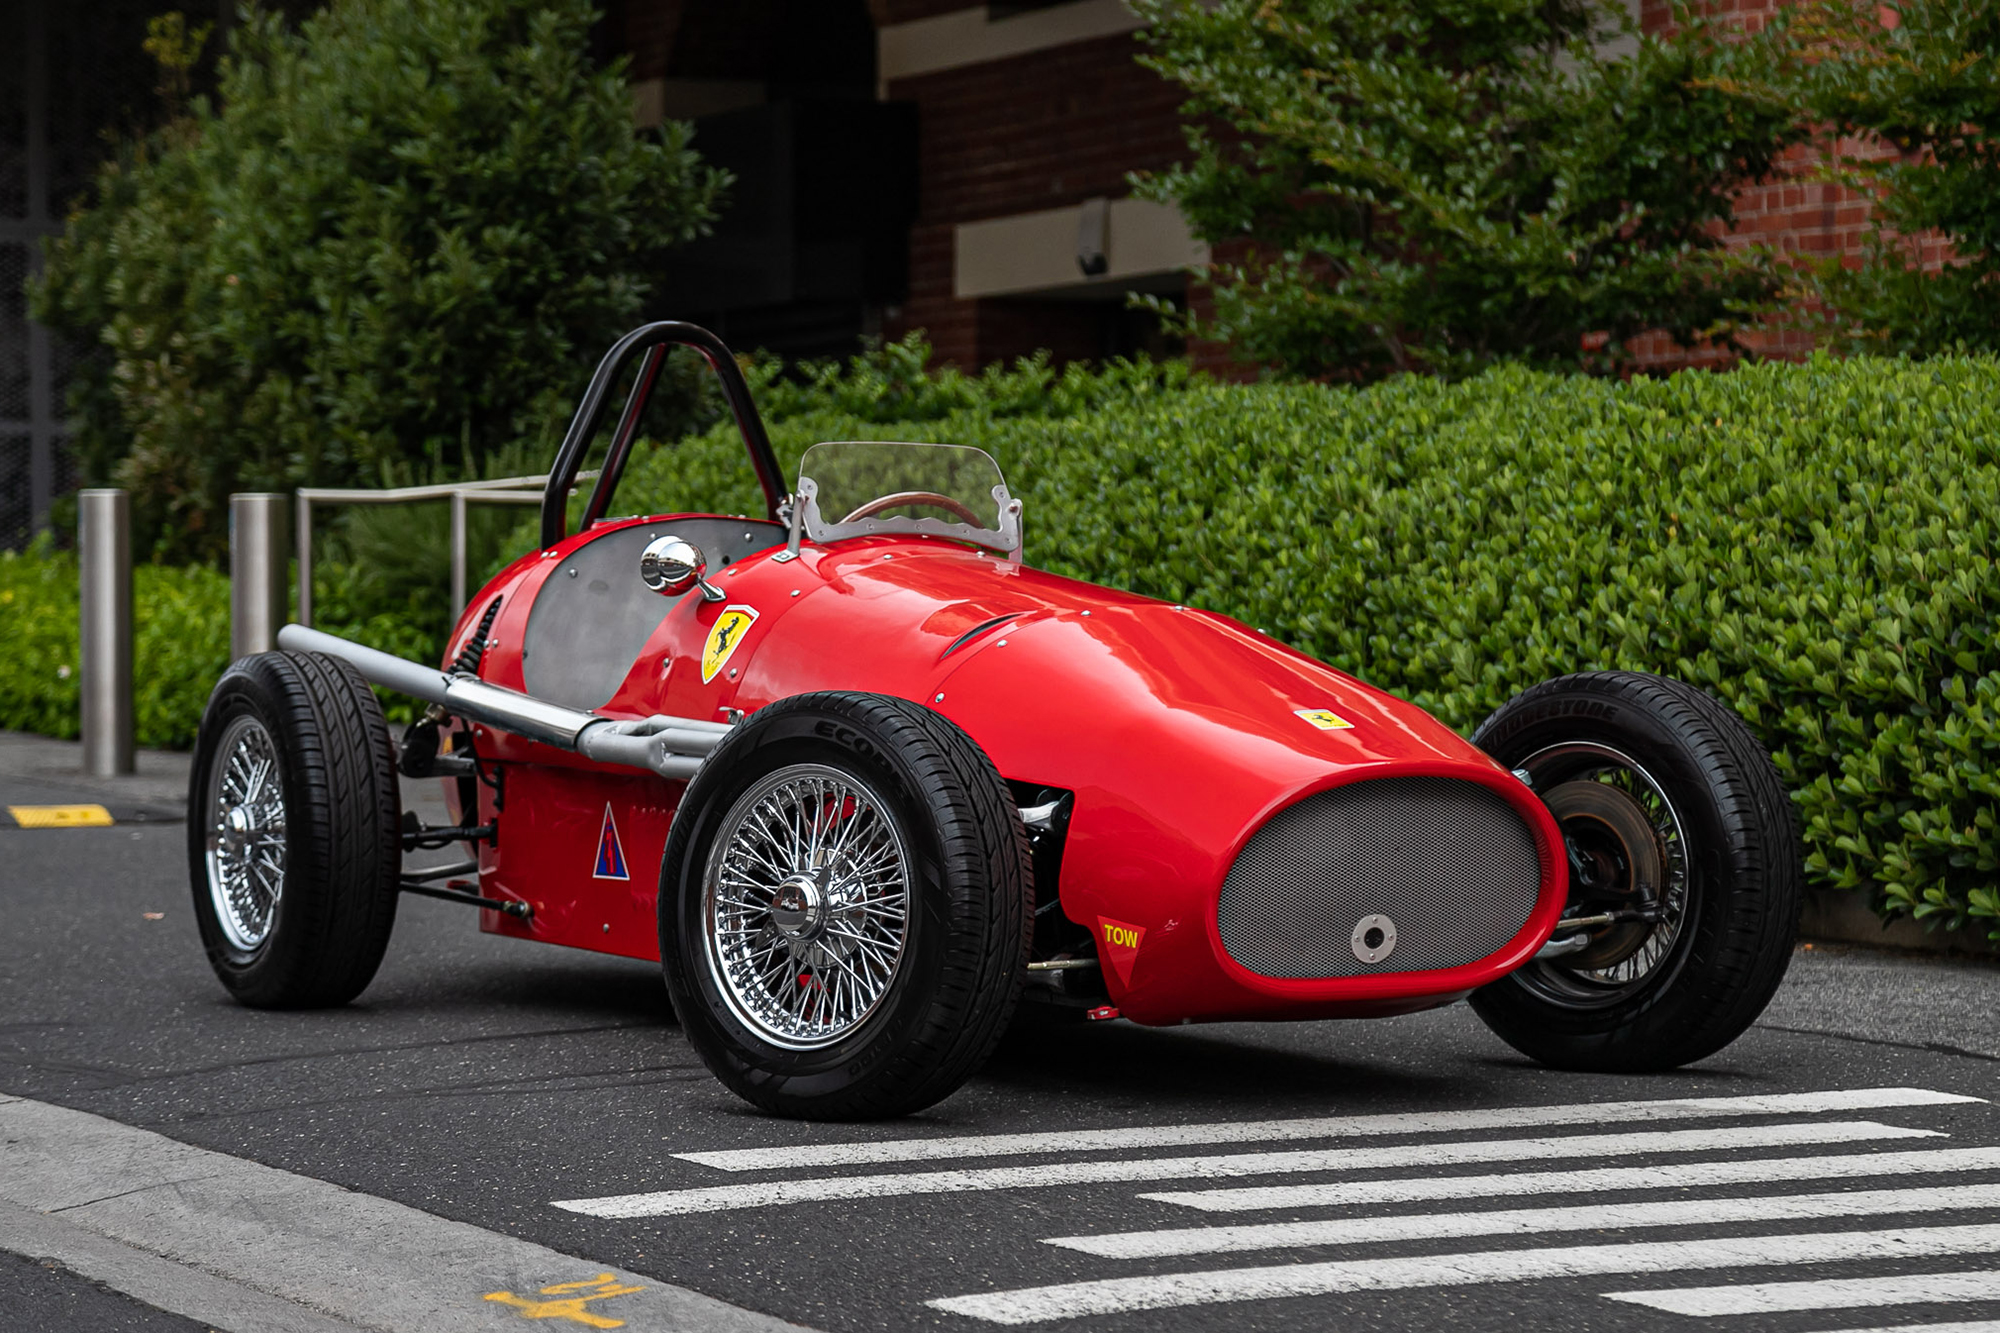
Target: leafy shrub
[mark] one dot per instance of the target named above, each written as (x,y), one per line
(1435,185)
(180,643)
(400,241)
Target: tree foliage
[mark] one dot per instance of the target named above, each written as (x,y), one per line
(1439,184)
(393,245)
(1908,100)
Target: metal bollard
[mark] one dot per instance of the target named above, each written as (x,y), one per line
(257,568)
(104,541)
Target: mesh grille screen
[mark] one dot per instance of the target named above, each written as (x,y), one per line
(1448,861)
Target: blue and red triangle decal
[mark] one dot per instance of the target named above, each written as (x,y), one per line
(610,855)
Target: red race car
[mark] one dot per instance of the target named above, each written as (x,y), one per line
(870,789)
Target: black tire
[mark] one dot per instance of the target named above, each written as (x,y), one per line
(1728,837)
(945,998)
(321,941)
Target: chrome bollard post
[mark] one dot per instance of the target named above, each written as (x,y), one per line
(258,564)
(304,533)
(457,553)
(104,542)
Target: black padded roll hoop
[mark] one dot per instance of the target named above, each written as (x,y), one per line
(1449,862)
(649,341)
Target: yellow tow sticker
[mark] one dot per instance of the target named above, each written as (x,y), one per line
(730,627)
(61,816)
(1324,718)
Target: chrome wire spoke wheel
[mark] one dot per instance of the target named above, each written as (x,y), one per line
(245,812)
(806,906)
(1639,857)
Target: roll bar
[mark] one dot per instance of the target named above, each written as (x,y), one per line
(651,342)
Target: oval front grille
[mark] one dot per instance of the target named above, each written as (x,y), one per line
(1448,861)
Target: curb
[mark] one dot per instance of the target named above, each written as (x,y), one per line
(1838,917)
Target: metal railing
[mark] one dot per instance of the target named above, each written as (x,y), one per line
(499,490)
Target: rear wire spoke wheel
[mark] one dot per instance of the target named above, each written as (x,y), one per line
(845,907)
(1678,828)
(246,833)
(294,838)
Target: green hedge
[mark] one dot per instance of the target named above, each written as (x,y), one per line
(1814,543)
(180,643)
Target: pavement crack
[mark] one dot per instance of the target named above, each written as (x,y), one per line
(122,1079)
(553,1083)
(1931,1047)
(136,1189)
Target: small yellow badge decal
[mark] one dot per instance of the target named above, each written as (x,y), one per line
(1324,718)
(730,627)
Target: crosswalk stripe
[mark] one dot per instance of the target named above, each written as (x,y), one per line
(1072,1300)
(1963,1325)
(1528,1221)
(1318,1127)
(1840,1293)
(1677,1175)
(715,1198)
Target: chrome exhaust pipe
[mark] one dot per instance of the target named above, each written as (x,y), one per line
(672,747)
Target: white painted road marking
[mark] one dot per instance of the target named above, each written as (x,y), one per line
(1962,1326)
(1320,1127)
(1532,1221)
(716,1198)
(1840,1293)
(1673,1175)
(1074,1300)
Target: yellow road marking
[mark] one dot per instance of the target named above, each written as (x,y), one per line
(60,816)
(570,1300)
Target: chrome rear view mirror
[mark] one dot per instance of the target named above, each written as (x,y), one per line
(671,565)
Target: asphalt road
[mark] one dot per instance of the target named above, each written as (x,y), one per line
(487,1080)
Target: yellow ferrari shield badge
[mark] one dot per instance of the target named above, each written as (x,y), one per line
(729,629)
(1324,718)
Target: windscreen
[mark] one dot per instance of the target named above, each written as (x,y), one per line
(862,486)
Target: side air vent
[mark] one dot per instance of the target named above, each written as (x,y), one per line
(1389,875)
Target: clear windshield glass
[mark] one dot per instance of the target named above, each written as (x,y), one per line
(852,487)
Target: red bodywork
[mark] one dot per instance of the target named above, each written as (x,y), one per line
(1177,730)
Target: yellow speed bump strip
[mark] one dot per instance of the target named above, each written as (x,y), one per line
(60,816)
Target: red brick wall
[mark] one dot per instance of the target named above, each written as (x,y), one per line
(1044,130)
(1051,128)
(1796,215)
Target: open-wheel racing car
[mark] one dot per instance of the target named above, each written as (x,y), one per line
(870,788)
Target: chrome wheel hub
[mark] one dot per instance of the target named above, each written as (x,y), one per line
(1644,863)
(798,908)
(806,906)
(245,807)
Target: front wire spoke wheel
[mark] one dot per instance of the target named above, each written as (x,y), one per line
(805,906)
(1631,848)
(1683,857)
